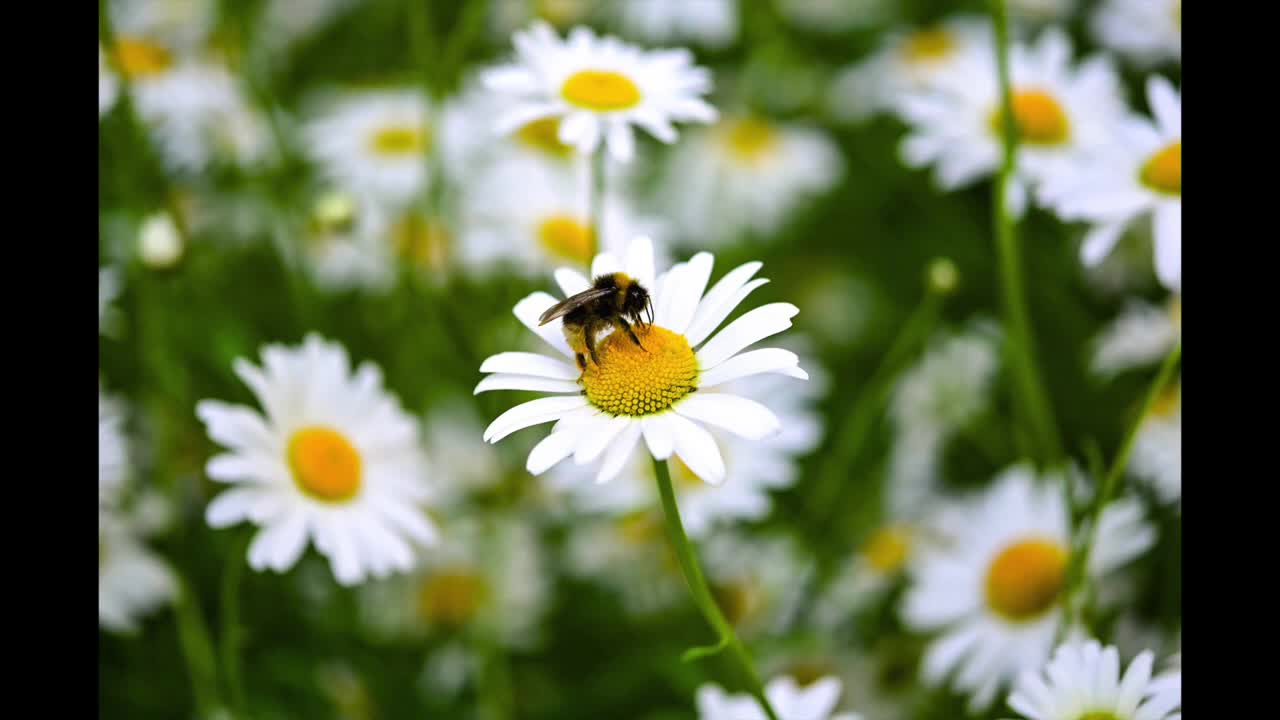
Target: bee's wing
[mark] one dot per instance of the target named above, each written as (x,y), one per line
(571,302)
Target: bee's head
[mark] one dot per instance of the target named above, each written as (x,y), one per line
(637,303)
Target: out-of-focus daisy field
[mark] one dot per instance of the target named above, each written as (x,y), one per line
(640,359)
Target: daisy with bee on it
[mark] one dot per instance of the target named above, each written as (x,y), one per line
(612,300)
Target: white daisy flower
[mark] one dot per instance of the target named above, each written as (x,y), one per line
(758,581)
(132,580)
(1083,680)
(906,62)
(713,23)
(344,244)
(1148,32)
(486,576)
(533,217)
(108,85)
(372,142)
(1062,113)
(1157,449)
(1139,175)
(1141,335)
(834,16)
(159,242)
(667,391)
(113,454)
(334,460)
(995,589)
(600,87)
(749,173)
(863,579)
(629,555)
(816,701)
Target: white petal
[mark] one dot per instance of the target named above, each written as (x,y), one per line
(231,507)
(697,449)
(639,261)
(595,438)
(534,412)
(571,281)
(669,285)
(615,459)
(751,363)
(523,363)
(739,415)
(721,299)
(530,309)
(1099,242)
(1165,104)
(506,381)
(685,302)
(604,264)
(657,435)
(1168,240)
(551,450)
(622,143)
(752,327)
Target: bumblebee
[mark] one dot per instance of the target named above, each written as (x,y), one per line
(613,300)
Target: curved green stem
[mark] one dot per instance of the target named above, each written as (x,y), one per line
(1078,576)
(197,650)
(701,593)
(231,627)
(1020,347)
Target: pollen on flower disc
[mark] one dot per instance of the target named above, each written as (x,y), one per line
(1026,577)
(600,90)
(634,381)
(324,463)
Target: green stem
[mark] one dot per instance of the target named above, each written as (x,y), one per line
(460,40)
(1020,347)
(197,650)
(701,593)
(857,426)
(596,193)
(231,626)
(1078,575)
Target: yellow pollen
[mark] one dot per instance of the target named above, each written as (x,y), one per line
(887,548)
(1039,118)
(635,381)
(1162,172)
(749,139)
(544,136)
(422,242)
(737,600)
(924,45)
(1099,715)
(399,140)
(567,238)
(1026,577)
(601,91)
(452,597)
(324,463)
(138,58)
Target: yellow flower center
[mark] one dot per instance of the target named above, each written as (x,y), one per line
(399,140)
(737,600)
(1099,715)
(1026,577)
(452,597)
(600,90)
(565,237)
(422,242)
(1162,171)
(749,139)
(324,464)
(635,381)
(887,549)
(138,58)
(544,136)
(806,673)
(1038,117)
(925,45)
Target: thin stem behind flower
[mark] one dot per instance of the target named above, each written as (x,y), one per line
(597,188)
(1020,349)
(197,650)
(231,625)
(701,593)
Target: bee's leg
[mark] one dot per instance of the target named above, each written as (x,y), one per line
(589,336)
(626,327)
(582,361)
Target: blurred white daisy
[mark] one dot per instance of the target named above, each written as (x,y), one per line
(133,581)
(1139,175)
(757,580)
(184,25)
(334,460)
(533,217)
(160,244)
(629,555)
(1061,113)
(994,591)
(1083,680)
(712,23)
(108,85)
(344,245)
(907,61)
(372,142)
(1140,335)
(749,173)
(835,16)
(1157,449)
(865,577)
(1148,32)
(600,87)
(667,391)
(507,16)
(487,578)
(112,449)
(465,464)
(816,701)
